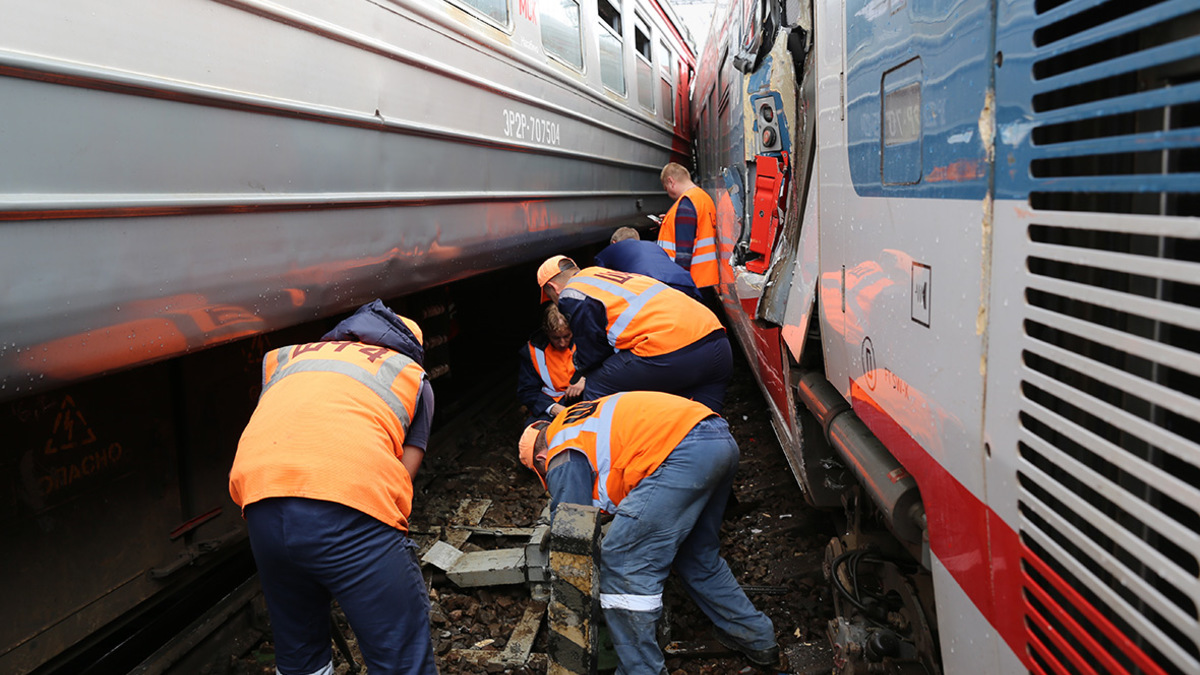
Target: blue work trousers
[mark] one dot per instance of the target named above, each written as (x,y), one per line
(310,551)
(673,516)
(699,371)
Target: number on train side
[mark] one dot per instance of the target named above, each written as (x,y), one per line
(529,128)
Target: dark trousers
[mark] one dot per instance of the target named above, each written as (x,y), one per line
(310,551)
(699,371)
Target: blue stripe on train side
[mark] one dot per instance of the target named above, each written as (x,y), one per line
(1029,71)
(929,61)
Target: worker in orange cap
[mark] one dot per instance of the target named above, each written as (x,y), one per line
(546,376)
(323,474)
(663,466)
(689,230)
(635,333)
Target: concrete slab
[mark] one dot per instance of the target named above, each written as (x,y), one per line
(442,556)
(489,568)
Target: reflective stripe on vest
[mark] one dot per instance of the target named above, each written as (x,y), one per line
(636,303)
(669,247)
(602,427)
(380,382)
(697,257)
(633,603)
(539,362)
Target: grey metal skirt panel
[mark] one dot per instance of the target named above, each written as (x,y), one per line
(131,291)
(150,207)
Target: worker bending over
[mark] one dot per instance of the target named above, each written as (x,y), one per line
(663,466)
(689,230)
(323,474)
(628,253)
(546,374)
(635,333)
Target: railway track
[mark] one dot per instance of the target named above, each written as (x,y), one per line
(772,540)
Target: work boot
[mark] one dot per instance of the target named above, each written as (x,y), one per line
(760,657)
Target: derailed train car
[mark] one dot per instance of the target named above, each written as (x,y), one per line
(197,177)
(960,248)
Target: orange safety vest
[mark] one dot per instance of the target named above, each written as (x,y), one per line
(556,367)
(645,316)
(704,250)
(626,437)
(330,425)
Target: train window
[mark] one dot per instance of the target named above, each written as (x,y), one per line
(645,68)
(665,61)
(723,77)
(641,39)
(612,55)
(610,15)
(560,31)
(711,130)
(496,10)
(668,95)
(900,125)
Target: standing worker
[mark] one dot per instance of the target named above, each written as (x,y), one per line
(628,253)
(323,474)
(663,466)
(635,333)
(546,375)
(689,230)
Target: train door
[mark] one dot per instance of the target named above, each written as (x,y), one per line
(906,137)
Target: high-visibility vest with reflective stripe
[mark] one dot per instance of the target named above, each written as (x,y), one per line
(704,268)
(644,316)
(556,367)
(330,425)
(625,436)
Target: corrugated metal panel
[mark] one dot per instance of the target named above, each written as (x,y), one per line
(1109,437)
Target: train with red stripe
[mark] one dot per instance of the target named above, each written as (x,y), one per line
(189,184)
(960,245)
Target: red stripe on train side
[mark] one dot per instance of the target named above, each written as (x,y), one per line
(959,528)
(1092,614)
(984,555)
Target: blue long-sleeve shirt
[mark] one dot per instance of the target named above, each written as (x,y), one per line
(589,324)
(685,233)
(648,259)
(571,481)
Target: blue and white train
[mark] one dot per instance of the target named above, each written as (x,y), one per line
(961,247)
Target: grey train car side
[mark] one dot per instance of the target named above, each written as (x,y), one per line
(176,176)
(183,178)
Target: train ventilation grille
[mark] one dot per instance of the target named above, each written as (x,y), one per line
(1109,469)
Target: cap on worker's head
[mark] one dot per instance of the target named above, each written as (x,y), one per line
(527,442)
(549,270)
(416,330)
